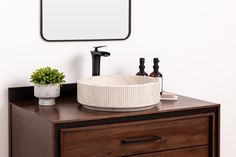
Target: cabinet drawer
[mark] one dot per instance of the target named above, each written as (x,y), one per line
(188,152)
(134,138)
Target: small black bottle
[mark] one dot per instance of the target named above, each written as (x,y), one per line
(156,73)
(142,67)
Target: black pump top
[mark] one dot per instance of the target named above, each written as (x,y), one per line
(141,62)
(156,62)
(142,67)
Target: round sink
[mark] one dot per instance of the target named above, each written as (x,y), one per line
(118,93)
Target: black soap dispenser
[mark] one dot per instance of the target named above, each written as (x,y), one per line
(142,68)
(156,73)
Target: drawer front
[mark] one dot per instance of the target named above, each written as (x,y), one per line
(134,138)
(188,152)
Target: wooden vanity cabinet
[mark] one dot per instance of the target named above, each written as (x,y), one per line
(184,128)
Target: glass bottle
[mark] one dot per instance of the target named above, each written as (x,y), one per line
(156,74)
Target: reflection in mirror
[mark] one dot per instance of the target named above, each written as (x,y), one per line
(85,20)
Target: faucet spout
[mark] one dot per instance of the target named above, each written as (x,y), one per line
(96,59)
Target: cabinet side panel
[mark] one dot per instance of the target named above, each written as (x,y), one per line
(31,136)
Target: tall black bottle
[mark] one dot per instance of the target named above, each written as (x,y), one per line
(156,74)
(142,68)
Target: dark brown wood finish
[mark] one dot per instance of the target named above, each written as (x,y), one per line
(108,140)
(187,126)
(31,135)
(68,110)
(201,151)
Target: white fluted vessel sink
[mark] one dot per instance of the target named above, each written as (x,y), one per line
(118,93)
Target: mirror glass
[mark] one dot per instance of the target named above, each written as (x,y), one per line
(85,20)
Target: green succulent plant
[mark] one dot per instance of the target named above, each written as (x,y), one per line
(47,76)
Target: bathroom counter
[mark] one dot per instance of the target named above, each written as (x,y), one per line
(171,129)
(68,110)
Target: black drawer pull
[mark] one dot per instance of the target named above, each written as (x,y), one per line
(141,140)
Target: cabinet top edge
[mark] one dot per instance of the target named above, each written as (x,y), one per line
(68,110)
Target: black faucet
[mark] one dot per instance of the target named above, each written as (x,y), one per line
(96,57)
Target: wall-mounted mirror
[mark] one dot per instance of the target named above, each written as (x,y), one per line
(85,20)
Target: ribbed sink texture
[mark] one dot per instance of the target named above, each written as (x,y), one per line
(118,93)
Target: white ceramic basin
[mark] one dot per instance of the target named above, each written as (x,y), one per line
(118,93)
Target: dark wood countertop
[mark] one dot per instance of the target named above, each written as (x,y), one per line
(67,109)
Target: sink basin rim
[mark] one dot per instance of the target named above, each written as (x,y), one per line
(151,79)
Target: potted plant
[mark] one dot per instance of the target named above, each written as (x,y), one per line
(47,82)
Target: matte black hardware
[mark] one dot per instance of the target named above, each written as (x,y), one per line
(96,57)
(141,140)
(142,67)
(97,47)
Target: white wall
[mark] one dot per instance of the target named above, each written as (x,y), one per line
(194,39)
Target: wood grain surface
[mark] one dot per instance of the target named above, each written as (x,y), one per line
(106,141)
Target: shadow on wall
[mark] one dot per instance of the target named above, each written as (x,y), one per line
(77,66)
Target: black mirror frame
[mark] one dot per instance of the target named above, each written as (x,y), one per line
(41,28)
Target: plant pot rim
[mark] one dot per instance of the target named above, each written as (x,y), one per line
(46,85)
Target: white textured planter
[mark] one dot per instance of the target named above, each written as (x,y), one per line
(47,93)
(118,93)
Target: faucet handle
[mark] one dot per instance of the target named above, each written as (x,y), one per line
(97,47)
